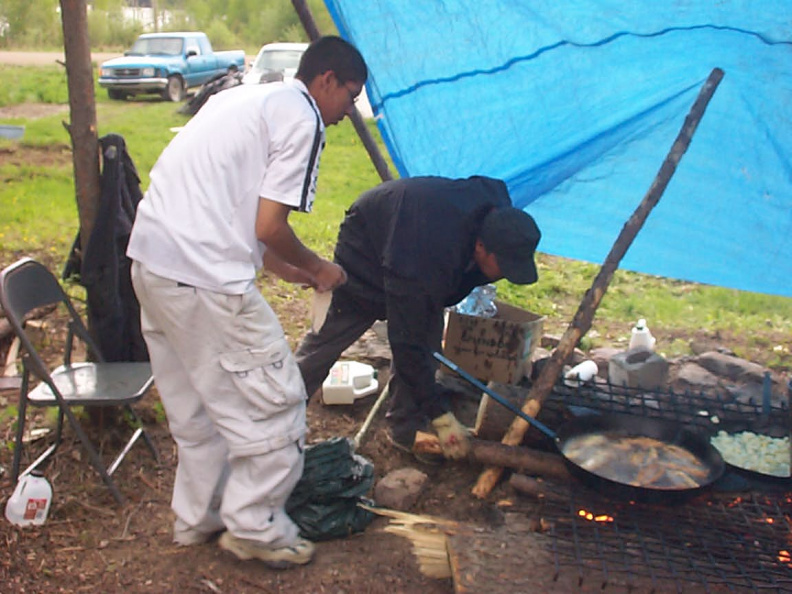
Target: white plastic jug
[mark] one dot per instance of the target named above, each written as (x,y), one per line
(30,502)
(581,373)
(641,338)
(348,381)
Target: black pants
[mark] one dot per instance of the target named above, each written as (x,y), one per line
(413,332)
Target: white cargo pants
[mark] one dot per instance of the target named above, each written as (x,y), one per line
(235,403)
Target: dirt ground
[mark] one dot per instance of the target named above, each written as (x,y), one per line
(90,544)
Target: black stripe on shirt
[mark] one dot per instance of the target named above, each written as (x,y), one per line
(314,156)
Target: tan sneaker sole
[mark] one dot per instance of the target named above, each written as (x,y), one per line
(300,553)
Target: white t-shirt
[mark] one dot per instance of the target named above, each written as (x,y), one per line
(196,223)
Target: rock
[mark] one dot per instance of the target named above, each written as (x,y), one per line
(549,341)
(746,393)
(701,346)
(371,348)
(692,376)
(732,368)
(400,488)
(539,354)
(602,356)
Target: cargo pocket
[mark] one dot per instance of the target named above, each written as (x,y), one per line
(268,378)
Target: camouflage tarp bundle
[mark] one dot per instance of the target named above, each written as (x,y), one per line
(324,504)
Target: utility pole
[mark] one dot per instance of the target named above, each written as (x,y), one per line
(82,109)
(309,24)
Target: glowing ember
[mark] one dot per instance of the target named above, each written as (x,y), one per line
(785,557)
(592,518)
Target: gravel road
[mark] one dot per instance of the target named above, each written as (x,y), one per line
(44,58)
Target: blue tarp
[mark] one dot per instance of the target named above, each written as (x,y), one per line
(576,103)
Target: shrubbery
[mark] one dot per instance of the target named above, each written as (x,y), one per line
(247,24)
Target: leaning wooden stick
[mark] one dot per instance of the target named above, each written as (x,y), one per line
(581,323)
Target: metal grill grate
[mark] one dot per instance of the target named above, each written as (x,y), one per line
(718,545)
(736,538)
(706,411)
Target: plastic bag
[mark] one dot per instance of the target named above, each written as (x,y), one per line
(324,504)
(479,302)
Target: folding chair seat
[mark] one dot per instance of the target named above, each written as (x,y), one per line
(26,286)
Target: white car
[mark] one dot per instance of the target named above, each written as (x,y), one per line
(279,61)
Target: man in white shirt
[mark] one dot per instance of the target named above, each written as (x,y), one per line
(215,212)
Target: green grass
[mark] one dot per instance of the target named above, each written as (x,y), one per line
(45,84)
(39,216)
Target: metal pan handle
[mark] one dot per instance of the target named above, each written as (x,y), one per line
(495,396)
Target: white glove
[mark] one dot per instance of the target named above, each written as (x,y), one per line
(454,438)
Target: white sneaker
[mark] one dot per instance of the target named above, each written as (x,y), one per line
(299,553)
(187,537)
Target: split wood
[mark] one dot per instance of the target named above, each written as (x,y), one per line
(581,323)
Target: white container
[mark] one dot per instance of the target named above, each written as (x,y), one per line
(581,373)
(30,502)
(641,338)
(348,381)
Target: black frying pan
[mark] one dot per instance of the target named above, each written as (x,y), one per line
(762,426)
(667,432)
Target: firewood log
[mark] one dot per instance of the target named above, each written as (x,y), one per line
(526,460)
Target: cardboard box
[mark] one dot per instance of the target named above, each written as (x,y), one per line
(493,349)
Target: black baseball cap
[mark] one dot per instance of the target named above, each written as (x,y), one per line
(512,235)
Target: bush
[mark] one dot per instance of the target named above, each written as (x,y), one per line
(221,36)
(108,29)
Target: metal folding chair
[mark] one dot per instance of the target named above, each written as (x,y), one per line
(26,286)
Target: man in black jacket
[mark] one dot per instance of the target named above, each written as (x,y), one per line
(410,248)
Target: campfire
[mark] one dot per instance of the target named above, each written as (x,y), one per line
(735,535)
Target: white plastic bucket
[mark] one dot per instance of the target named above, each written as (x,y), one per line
(30,502)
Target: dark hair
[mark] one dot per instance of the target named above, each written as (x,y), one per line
(332,53)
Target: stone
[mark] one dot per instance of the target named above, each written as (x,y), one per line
(602,356)
(638,368)
(692,376)
(730,367)
(400,489)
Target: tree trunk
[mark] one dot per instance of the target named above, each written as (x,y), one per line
(82,129)
(82,107)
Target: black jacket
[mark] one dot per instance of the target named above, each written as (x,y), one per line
(104,268)
(407,247)
(418,231)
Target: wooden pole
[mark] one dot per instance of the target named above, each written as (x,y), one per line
(581,323)
(309,24)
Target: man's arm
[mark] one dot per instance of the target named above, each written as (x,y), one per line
(282,269)
(273,230)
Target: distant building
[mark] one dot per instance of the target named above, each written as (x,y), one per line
(145,16)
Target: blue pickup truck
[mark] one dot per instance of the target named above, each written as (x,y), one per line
(167,64)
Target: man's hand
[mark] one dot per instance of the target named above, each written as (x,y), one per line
(454,438)
(274,231)
(328,276)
